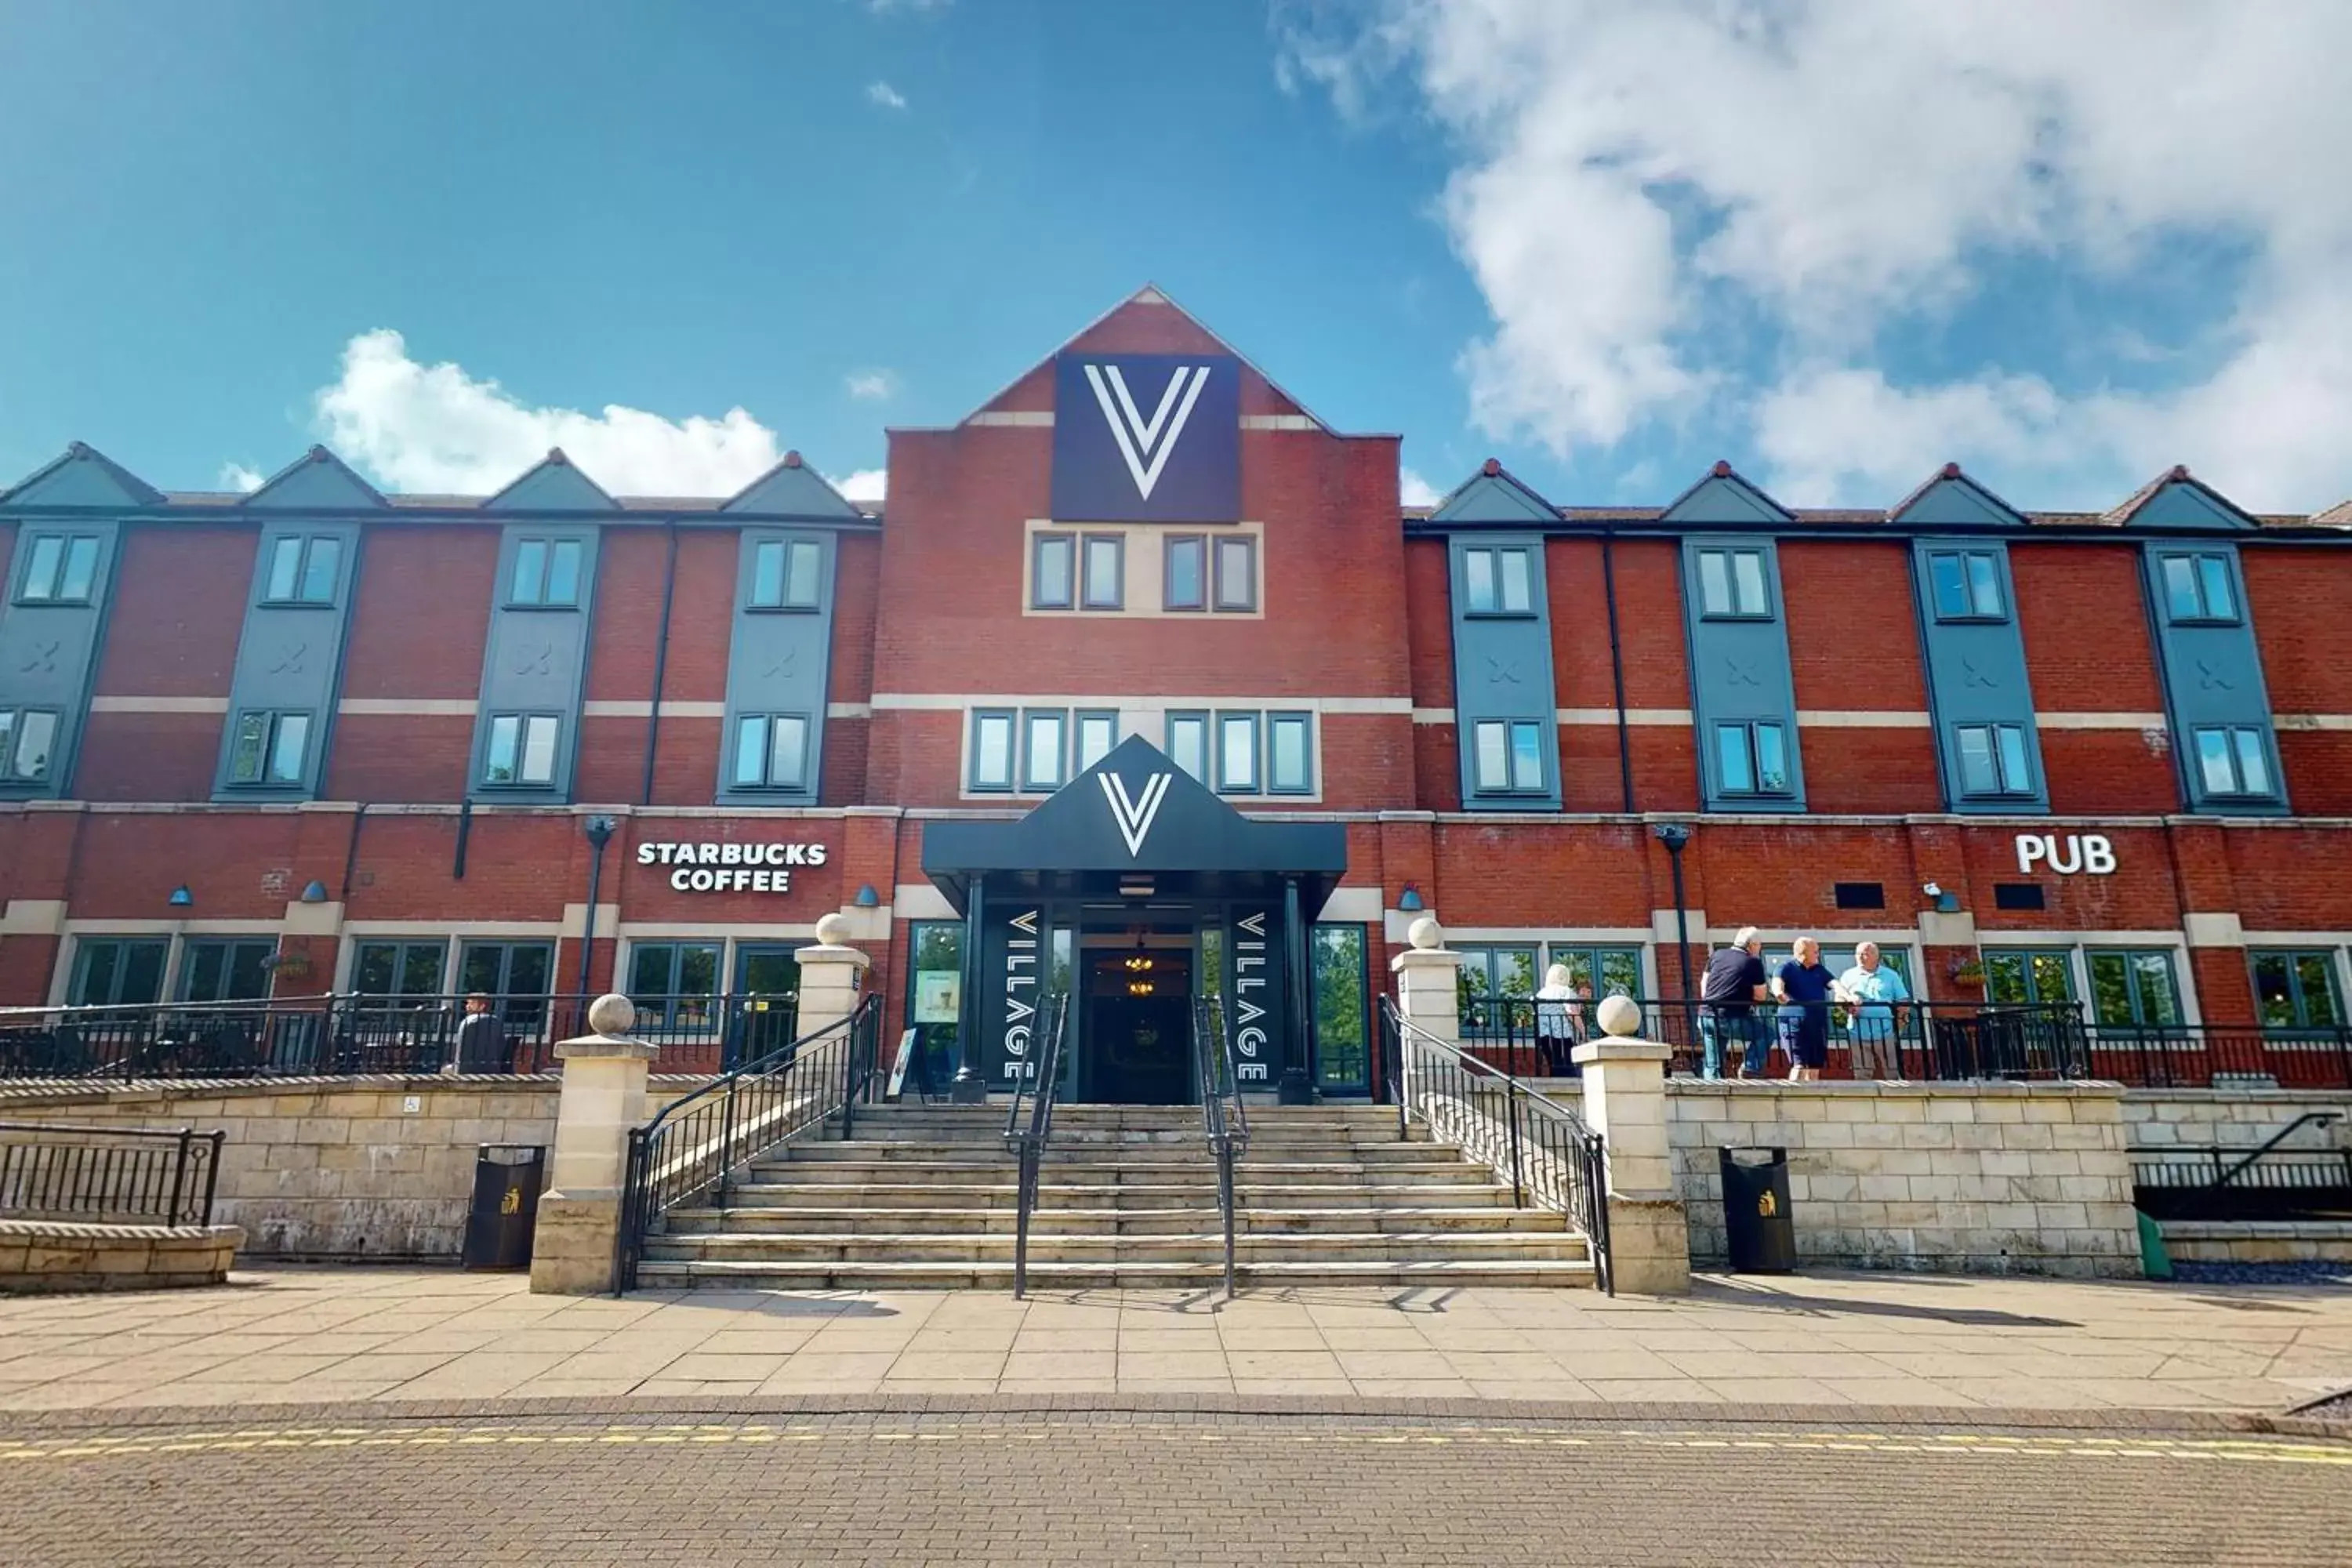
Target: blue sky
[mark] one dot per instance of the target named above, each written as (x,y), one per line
(1536,230)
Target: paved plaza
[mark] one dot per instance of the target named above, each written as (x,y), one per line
(389,1336)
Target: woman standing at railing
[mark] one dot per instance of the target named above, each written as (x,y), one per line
(1557,1016)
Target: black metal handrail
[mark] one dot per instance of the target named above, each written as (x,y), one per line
(697,1143)
(341,1033)
(2199,1056)
(1225,1117)
(1028,1140)
(1554,1160)
(54,1171)
(1915,1040)
(2262,1183)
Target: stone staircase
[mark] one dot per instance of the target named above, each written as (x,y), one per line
(924,1197)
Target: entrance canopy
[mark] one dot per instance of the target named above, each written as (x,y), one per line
(1136,826)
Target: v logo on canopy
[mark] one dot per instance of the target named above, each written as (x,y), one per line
(1133,815)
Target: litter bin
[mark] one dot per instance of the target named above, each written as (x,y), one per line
(1758,1231)
(506,1206)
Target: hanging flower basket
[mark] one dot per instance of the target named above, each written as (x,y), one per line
(1968,971)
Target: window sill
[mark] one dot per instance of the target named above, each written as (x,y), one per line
(561,609)
(782,609)
(1500,615)
(1760,619)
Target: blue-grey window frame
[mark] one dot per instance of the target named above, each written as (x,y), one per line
(1765,564)
(1256,720)
(522,742)
(1305,719)
(2204,615)
(768,782)
(1207,720)
(583,589)
(1026,777)
(1511,789)
(28,541)
(973,783)
(1207,572)
(1748,728)
(275,716)
(1971,616)
(1067,539)
(305,541)
(16,738)
(1085,592)
(785,604)
(1527,558)
(1079,719)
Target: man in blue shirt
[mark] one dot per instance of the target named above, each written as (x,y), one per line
(1803,988)
(1734,984)
(1871,988)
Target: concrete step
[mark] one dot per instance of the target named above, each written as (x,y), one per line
(1257,1218)
(921,1167)
(655,1274)
(1058,1152)
(1201,1245)
(1141,1196)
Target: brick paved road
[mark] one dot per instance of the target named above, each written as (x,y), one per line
(1038,1489)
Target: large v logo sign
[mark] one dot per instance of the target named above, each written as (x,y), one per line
(1133,815)
(1146,444)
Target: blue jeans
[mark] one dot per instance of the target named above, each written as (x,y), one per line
(1744,1030)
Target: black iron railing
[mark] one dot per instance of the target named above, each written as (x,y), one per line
(1551,1158)
(2265,1183)
(697,1143)
(342,1035)
(2204,1056)
(108,1173)
(1225,1117)
(1915,1040)
(1029,1124)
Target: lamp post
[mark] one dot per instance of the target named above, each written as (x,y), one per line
(599,830)
(1674,836)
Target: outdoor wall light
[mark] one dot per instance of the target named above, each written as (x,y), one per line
(315,892)
(867,898)
(1946,903)
(1932,890)
(1409,900)
(181,898)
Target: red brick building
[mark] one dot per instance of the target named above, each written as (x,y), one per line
(317,738)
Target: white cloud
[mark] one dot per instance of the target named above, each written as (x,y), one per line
(883,95)
(435,428)
(865,485)
(1715,209)
(238,477)
(1414,491)
(870,385)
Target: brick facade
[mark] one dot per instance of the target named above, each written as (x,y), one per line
(1355,623)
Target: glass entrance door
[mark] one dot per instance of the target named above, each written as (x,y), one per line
(1137,1026)
(766,1001)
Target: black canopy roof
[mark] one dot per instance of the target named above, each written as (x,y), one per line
(1136,818)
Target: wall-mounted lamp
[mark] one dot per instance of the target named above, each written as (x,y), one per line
(867,898)
(1946,903)
(1409,900)
(315,892)
(1932,889)
(181,898)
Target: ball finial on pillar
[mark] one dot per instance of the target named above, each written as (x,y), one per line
(1426,934)
(832,930)
(611,1014)
(1618,1015)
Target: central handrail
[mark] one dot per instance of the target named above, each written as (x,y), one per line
(697,1141)
(1551,1155)
(1028,1143)
(1224,1119)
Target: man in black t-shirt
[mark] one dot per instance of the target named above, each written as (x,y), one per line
(1734,984)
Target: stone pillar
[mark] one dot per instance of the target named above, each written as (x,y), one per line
(1425,990)
(1625,1102)
(604,1097)
(832,977)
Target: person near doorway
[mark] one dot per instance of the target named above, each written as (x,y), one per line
(479,1043)
(1803,988)
(1735,984)
(1556,1022)
(1872,988)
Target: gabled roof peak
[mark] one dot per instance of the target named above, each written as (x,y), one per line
(1723,495)
(1493,494)
(315,479)
(2176,498)
(83,476)
(555,483)
(1950,496)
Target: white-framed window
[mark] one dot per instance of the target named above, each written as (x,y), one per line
(59,568)
(1507,756)
(770,751)
(992,748)
(271,748)
(546,575)
(521,750)
(29,740)
(787,574)
(303,569)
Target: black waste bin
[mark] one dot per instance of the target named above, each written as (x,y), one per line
(1758,1231)
(506,1206)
